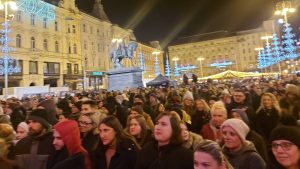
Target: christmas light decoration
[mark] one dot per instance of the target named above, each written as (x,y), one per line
(38,8)
(289,42)
(168,68)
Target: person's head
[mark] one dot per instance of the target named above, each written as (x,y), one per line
(152,98)
(218,114)
(88,123)
(188,99)
(6,138)
(292,92)
(184,131)
(234,132)
(76,107)
(38,122)
(137,126)
(201,105)
(111,131)
(239,96)
(167,128)
(137,109)
(285,141)
(10,107)
(269,101)
(88,106)
(63,116)
(139,99)
(209,155)
(22,131)
(67,134)
(240,114)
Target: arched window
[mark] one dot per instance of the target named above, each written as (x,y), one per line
(45,44)
(75,48)
(84,28)
(18,41)
(56,46)
(32,43)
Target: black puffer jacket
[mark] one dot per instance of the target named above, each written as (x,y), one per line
(167,157)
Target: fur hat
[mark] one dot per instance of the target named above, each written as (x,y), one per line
(239,126)
(41,116)
(290,133)
(188,95)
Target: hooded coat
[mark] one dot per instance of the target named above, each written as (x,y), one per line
(245,158)
(77,155)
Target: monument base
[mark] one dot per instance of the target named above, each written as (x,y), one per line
(121,78)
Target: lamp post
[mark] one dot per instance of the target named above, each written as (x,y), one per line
(200,60)
(156,63)
(8,66)
(283,8)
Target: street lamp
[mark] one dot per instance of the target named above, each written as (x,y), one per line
(284,8)
(8,66)
(200,60)
(156,63)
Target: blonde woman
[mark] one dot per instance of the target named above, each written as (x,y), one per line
(267,115)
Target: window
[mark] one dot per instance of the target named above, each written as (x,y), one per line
(45,44)
(91,30)
(32,43)
(33,67)
(56,47)
(56,26)
(32,19)
(83,28)
(98,32)
(18,41)
(75,48)
(69,29)
(45,22)
(70,50)
(76,70)
(51,68)
(19,16)
(93,48)
(99,48)
(69,68)
(74,28)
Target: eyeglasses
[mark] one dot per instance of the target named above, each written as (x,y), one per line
(286,146)
(84,123)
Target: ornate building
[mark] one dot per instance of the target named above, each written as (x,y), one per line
(219,51)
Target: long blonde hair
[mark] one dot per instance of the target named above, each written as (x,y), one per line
(206,108)
(274,102)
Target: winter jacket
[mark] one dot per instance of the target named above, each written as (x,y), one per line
(90,142)
(266,121)
(33,153)
(75,161)
(193,141)
(210,132)
(245,158)
(199,119)
(259,143)
(124,157)
(166,157)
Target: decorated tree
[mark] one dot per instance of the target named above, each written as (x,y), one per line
(277,49)
(168,68)
(289,42)
(156,66)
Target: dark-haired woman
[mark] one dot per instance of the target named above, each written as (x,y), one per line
(166,151)
(117,149)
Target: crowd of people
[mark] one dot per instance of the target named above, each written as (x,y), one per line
(252,124)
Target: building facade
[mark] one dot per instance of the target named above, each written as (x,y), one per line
(219,51)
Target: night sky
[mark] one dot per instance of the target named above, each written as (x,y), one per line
(166,20)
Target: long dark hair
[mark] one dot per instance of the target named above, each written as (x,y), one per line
(176,137)
(121,135)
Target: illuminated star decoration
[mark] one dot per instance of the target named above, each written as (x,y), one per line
(38,8)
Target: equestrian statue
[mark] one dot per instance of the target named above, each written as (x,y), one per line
(120,51)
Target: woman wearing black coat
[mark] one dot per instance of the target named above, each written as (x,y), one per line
(166,151)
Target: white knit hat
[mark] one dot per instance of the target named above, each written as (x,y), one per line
(24,126)
(239,126)
(188,95)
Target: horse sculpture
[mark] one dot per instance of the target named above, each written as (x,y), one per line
(121,52)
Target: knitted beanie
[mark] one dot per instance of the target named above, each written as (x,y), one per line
(239,126)
(41,116)
(24,126)
(188,95)
(290,133)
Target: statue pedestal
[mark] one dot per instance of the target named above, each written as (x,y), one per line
(121,78)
